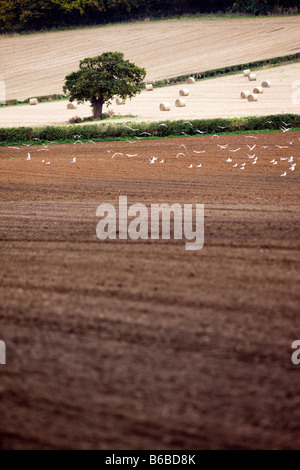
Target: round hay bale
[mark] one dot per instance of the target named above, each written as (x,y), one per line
(119,101)
(71,106)
(266,84)
(247,72)
(180,103)
(164,106)
(252,77)
(149,87)
(190,81)
(184,92)
(245,94)
(33,101)
(258,90)
(252,97)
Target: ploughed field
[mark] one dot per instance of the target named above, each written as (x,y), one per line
(141,344)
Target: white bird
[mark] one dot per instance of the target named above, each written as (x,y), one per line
(179,155)
(43,150)
(280,147)
(25,145)
(290,160)
(152,160)
(131,142)
(188,122)
(162,162)
(234,166)
(236,150)
(223,147)
(270,122)
(48,163)
(91,142)
(162,125)
(28,157)
(251,148)
(275,163)
(291,142)
(200,132)
(251,156)
(202,151)
(78,142)
(117,153)
(180,146)
(74,160)
(199,166)
(254,162)
(229,160)
(292,168)
(191,166)
(285,130)
(250,137)
(285,124)
(243,164)
(273,160)
(43,161)
(220,127)
(284,174)
(131,156)
(14,148)
(183,133)
(216,135)
(128,127)
(266,147)
(145,133)
(242,168)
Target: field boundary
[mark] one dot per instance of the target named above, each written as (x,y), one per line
(204,75)
(119,131)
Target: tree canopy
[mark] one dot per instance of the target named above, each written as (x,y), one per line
(100,79)
(21,15)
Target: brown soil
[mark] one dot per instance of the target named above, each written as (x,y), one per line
(143,345)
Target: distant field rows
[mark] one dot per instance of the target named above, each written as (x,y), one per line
(218,97)
(36,64)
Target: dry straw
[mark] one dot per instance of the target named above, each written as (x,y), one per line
(119,101)
(258,90)
(33,102)
(245,94)
(252,77)
(180,103)
(266,84)
(253,97)
(71,106)
(184,92)
(190,80)
(164,106)
(149,87)
(247,72)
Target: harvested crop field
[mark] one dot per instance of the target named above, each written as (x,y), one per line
(143,345)
(214,98)
(37,64)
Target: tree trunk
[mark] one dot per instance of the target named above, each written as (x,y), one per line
(97,108)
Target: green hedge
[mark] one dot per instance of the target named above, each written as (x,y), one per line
(111,131)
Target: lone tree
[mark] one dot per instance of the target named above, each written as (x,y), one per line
(101,78)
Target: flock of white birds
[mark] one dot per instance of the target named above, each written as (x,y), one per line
(234,157)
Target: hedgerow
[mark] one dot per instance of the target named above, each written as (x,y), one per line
(110,131)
